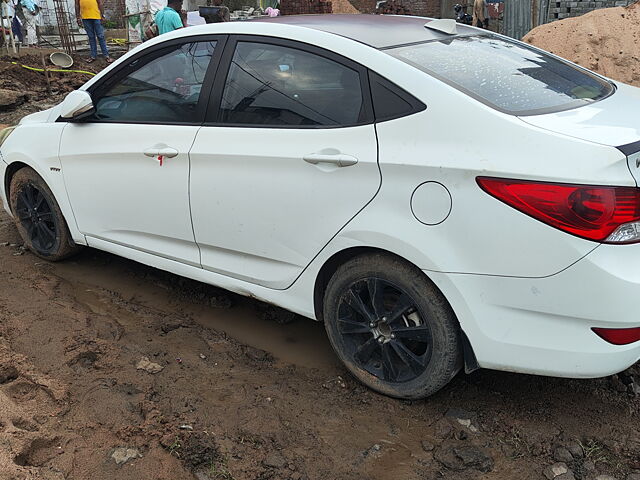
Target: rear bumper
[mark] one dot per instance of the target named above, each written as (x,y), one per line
(543,325)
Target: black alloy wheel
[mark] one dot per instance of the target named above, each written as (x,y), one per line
(391,326)
(38,219)
(383,331)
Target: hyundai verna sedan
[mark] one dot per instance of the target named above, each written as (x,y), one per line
(440,197)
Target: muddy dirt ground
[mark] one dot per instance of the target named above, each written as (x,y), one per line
(113,370)
(237,395)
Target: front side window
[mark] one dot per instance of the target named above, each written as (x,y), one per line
(164,89)
(275,85)
(508,76)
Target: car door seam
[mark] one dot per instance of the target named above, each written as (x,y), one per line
(375,130)
(193,230)
(64,181)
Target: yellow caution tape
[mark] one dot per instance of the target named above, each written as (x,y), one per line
(52,69)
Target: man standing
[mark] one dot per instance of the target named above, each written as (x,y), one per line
(30,11)
(89,15)
(480,14)
(223,14)
(170,18)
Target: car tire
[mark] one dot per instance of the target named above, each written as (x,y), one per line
(38,217)
(391,327)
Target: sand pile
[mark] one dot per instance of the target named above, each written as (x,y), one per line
(606,41)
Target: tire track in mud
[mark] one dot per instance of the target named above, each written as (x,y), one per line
(27,401)
(45,428)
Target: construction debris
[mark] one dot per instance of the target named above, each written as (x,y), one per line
(10,99)
(23,84)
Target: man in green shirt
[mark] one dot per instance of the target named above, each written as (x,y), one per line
(168,19)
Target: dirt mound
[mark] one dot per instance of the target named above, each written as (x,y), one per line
(14,75)
(23,77)
(606,41)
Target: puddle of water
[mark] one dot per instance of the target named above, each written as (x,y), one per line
(303,342)
(91,300)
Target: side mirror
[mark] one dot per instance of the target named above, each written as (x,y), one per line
(77,103)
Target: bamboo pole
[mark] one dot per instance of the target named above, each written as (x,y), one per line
(46,74)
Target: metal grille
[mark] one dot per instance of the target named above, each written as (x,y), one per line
(517,18)
(65,26)
(45,12)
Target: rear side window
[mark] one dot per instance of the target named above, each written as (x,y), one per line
(281,86)
(508,76)
(390,101)
(163,89)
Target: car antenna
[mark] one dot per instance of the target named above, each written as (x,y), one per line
(444,25)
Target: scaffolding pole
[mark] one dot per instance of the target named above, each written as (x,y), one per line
(63,18)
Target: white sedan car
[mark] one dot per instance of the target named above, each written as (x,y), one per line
(440,197)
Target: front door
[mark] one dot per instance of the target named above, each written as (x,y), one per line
(127,167)
(288,158)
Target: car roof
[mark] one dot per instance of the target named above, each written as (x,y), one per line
(377,31)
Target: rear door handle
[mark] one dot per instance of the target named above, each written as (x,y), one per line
(339,159)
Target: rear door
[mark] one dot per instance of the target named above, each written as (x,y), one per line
(288,156)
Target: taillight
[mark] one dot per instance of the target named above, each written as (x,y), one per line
(618,336)
(600,213)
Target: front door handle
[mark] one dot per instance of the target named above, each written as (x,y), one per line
(161,151)
(339,159)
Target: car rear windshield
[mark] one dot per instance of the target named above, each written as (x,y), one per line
(508,76)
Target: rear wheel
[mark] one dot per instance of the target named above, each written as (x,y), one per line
(38,217)
(392,327)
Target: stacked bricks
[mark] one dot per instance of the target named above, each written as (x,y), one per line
(423,8)
(364,6)
(574,8)
(300,7)
(393,7)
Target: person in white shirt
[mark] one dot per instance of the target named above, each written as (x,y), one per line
(30,11)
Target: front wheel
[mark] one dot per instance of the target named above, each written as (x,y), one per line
(38,217)
(391,327)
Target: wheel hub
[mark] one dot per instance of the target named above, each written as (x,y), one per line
(381,330)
